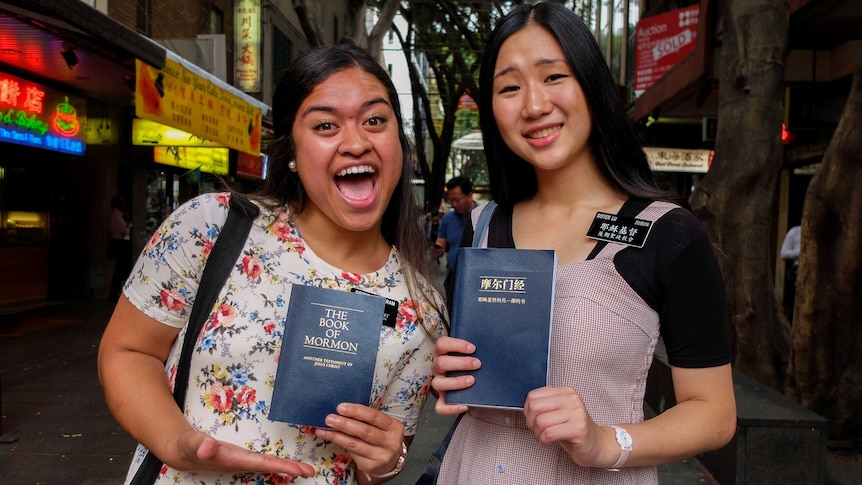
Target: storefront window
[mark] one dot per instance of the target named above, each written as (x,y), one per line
(167,190)
(23,228)
(157,199)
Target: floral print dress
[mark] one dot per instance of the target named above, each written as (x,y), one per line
(235,360)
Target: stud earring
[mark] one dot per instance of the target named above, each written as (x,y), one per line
(292,165)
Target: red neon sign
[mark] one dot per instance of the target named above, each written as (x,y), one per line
(24,120)
(66,119)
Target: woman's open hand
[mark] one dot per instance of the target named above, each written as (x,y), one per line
(199,451)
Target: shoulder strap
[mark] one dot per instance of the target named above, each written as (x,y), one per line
(482,224)
(441,450)
(224,253)
(478,234)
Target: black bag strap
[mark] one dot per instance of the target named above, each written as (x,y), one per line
(224,253)
(441,450)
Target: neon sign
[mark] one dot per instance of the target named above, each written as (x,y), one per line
(24,119)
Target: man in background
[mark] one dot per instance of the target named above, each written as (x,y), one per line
(459,193)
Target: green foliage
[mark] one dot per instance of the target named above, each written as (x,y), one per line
(444,42)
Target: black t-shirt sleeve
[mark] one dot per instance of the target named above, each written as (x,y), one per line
(688,292)
(467,235)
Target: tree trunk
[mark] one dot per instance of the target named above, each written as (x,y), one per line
(308,12)
(737,198)
(354,24)
(827,326)
(451,35)
(381,28)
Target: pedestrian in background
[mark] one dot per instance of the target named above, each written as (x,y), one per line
(337,211)
(119,244)
(790,254)
(459,193)
(561,150)
(790,251)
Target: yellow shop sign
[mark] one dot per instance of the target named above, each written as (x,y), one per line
(179,97)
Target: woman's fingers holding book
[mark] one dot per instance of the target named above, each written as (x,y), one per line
(452,354)
(448,345)
(443,409)
(372,437)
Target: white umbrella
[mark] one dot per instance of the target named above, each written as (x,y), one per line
(473,141)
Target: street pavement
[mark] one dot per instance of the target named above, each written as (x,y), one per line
(56,429)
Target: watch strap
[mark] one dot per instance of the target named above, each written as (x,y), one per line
(398,465)
(622,437)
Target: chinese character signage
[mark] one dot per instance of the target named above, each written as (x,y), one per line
(662,41)
(247,45)
(209,160)
(33,115)
(178,97)
(679,159)
(150,133)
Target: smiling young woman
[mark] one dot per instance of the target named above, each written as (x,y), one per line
(337,212)
(348,157)
(562,155)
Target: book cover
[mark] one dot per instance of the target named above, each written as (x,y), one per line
(503,303)
(328,353)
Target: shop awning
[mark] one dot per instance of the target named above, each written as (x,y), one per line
(181,95)
(71,44)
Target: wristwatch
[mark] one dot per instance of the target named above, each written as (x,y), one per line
(398,465)
(625,441)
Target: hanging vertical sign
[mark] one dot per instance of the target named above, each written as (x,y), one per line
(247,45)
(37,116)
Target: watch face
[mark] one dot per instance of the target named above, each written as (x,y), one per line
(624,438)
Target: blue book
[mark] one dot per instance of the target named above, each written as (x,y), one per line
(328,354)
(503,303)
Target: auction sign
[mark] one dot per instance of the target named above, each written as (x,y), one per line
(37,116)
(662,41)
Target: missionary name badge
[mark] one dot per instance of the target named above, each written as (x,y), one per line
(618,229)
(390,312)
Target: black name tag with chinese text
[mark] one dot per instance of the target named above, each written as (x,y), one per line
(390,313)
(618,229)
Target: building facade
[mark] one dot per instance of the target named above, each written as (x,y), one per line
(666,56)
(81,124)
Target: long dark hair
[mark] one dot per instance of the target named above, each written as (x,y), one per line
(615,143)
(400,226)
